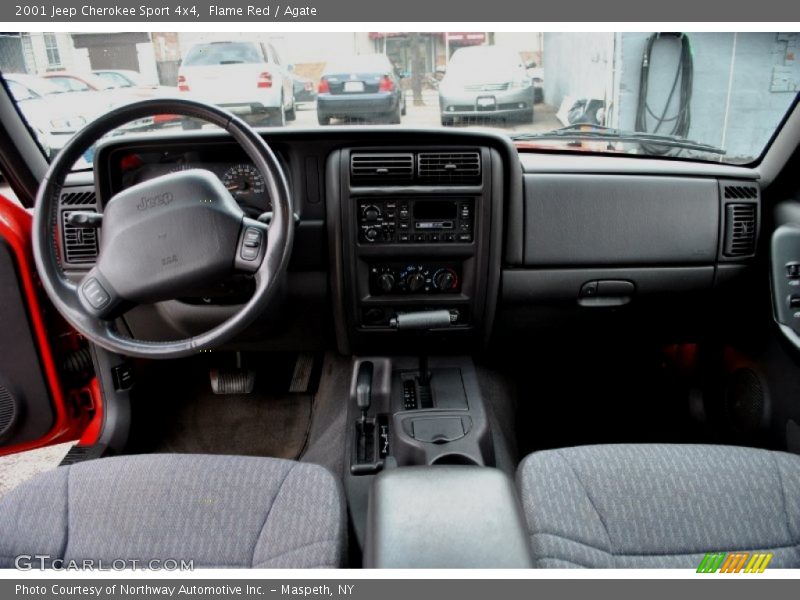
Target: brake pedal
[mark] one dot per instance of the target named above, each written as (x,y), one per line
(233,381)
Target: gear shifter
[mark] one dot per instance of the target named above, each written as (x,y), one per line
(364,389)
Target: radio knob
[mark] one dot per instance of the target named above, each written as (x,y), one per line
(444,280)
(372,213)
(386,282)
(371,234)
(416,281)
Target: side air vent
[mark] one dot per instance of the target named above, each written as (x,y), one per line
(381,168)
(741,192)
(740,229)
(449,167)
(79,244)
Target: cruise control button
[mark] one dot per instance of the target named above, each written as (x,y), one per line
(251,244)
(95,293)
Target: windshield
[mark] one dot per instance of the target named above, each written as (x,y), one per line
(693,96)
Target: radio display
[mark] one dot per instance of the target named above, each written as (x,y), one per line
(435,209)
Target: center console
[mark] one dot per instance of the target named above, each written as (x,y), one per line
(421,468)
(414,230)
(416,411)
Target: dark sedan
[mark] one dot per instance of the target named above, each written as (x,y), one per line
(366,86)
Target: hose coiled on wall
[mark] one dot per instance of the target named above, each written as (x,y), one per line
(677,124)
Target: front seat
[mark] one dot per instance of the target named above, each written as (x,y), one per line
(653,506)
(217,511)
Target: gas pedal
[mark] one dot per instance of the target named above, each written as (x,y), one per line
(301,378)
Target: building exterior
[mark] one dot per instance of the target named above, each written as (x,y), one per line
(43,52)
(608,67)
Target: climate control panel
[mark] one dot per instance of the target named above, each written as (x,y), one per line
(414,278)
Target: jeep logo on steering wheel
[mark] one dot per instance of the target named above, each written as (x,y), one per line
(153,201)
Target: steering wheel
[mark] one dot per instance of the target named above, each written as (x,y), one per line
(165,237)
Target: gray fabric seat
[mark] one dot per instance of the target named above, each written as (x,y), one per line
(652,506)
(219,511)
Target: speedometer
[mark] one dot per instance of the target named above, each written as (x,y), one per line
(243,180)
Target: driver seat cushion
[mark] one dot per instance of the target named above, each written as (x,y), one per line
(219,511)
(659,505)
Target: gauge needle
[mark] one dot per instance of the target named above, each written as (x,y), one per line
(231,188)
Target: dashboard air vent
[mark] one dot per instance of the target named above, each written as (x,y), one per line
(740,229)
(87,198)
(79,244)
(449,167)
(741,192)
(381,167)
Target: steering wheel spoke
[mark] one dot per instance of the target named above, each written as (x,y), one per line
(251,246)
(99,298)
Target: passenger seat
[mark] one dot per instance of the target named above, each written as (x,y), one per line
(659,506)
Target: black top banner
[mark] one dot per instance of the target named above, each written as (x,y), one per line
(473,11)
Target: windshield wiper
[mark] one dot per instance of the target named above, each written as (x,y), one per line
(583,131)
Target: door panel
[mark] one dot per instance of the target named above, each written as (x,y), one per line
(33,409)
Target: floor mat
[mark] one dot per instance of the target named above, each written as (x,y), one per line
(256,424)
(573,396)
(184,416)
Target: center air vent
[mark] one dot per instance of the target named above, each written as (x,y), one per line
(449,167)
(80,244)
(381,168)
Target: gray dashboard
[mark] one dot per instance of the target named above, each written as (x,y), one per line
(570,230)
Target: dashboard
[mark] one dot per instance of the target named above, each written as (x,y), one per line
(394,221)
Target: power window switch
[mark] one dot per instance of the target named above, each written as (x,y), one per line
(794,302)
(793,270)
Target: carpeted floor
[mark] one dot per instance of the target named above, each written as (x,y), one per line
(258,424)
(176,411)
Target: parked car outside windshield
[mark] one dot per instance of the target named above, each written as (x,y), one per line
(365,87)
(486,81)
(247,78)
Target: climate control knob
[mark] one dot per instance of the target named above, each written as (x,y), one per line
(371,234)
(386,282)
(416,281)
(372,213)
(444,280)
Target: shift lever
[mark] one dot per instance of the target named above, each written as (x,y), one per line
(364,389)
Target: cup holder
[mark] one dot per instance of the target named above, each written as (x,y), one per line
(455,459)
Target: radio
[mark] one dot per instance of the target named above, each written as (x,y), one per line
(415,220)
